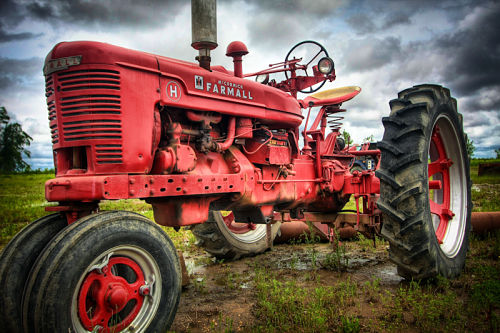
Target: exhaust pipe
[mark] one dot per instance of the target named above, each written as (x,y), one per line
(204,29)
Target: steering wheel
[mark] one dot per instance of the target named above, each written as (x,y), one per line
(311,51)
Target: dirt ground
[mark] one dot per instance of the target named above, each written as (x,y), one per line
(223,294)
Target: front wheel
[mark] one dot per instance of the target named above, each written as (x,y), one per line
(425,184)
(107,272)
(16,261)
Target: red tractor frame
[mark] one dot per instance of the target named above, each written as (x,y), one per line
(196,139)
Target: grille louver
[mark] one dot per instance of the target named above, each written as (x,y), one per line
(109,154)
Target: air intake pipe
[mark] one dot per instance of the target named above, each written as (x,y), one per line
(204,29)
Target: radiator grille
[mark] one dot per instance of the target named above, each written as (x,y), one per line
(87,107)
(89,79)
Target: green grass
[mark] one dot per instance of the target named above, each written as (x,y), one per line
(485,179)
(22,200)
(485,198)
(471,303)
(284,306)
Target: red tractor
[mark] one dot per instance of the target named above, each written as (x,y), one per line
(195,139)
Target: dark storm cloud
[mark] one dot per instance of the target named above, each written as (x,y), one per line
(487,99)
(11,12)
(396,18)
(301,8)
(11,15)
(125,13)
(122,13)
(361,23)
(9,37)
(474,51)
(16,72)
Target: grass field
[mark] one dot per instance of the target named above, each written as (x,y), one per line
(323,298)
(22,200)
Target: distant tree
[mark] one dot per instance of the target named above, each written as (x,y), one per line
(497,151)
(12,144)
(347,137)
(470,147)
(369,139)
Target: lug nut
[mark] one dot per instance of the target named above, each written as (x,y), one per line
(144,290)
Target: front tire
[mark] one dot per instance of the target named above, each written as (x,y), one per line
(16,261)
(425,184)
(111,270)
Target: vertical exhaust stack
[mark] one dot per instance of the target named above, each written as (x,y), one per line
(204,29)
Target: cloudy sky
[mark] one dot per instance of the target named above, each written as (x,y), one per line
(382,46)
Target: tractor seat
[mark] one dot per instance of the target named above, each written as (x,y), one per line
(331,96)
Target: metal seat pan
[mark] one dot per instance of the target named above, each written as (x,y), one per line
(332,96)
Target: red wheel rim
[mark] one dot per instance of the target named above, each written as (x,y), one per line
(109,300)
(235,227)
(439,183)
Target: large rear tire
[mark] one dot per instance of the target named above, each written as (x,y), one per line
(16,261)
(425,184)
(227,239)
(106,272)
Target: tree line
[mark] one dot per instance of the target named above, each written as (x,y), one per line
(13,143)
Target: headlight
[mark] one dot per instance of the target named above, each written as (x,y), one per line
(325,65)
(262,78)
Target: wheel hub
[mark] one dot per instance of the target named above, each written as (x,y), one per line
(117,297)
(111,297)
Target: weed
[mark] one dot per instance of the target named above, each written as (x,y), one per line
(312,237)
(372,290)
(365,243)
(307,237)
(223,324)
(313,254)
(349,324)
(337,259)
(200,285)
(294,261)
